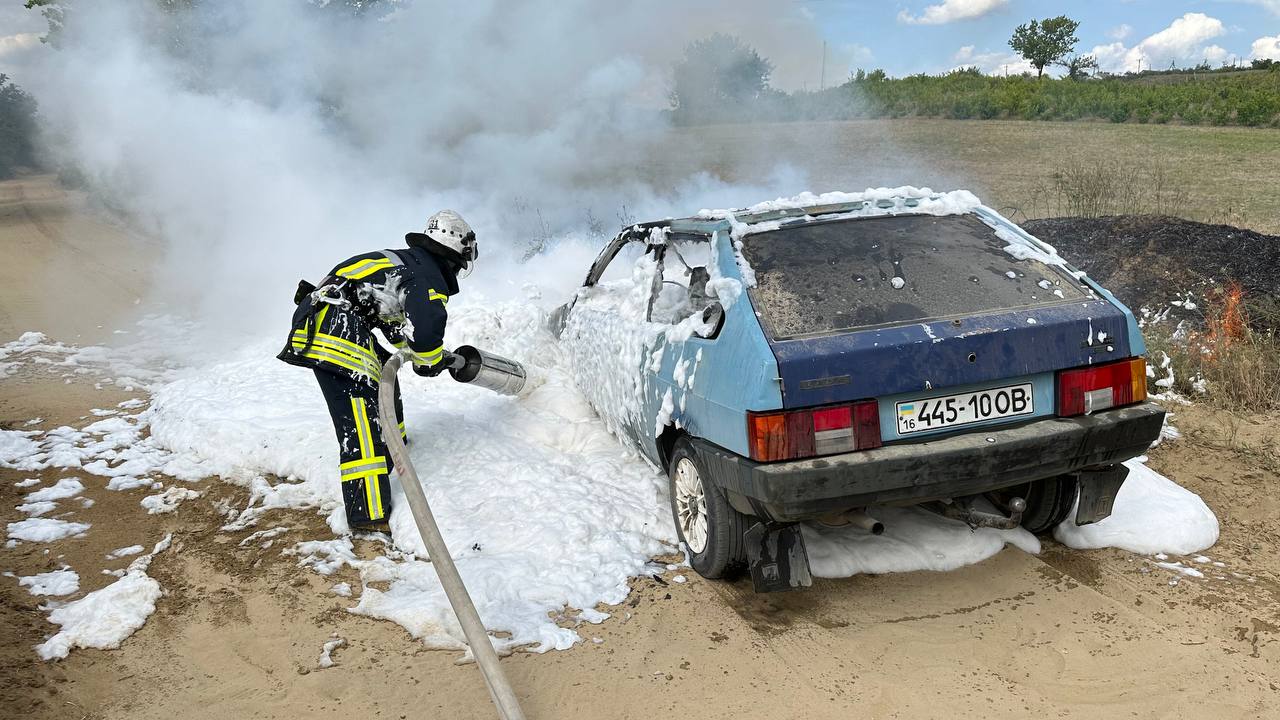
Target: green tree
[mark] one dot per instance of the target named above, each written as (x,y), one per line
(54,14)
(718,76)
(17,128)
(57,12)
(1045,42)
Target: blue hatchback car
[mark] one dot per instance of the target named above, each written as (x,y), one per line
(811,359)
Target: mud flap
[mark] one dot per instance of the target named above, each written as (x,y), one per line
(1098,490)
(777,558)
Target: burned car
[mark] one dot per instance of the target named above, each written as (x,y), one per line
(815,358)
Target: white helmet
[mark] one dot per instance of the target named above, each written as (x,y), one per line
(449,229)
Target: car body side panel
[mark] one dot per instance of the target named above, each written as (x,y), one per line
(735,372)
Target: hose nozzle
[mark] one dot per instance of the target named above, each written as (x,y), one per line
(476,367)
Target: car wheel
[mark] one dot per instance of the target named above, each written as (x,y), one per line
(707,525)
(1049,502)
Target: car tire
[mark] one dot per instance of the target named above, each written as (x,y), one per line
(1049,502)
(717,549)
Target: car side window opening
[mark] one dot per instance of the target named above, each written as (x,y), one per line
(623,284)
(685,274)
(623,264)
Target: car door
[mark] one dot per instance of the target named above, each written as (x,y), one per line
(688,316)
(608,338)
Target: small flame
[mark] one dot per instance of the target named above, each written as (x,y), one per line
(1226,321)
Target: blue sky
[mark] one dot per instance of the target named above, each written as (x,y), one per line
(911,36)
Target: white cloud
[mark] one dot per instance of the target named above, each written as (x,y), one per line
(1215,55)
(858,54)
(991,63)
(17,51)
(1272,5)
(21,42)
(1120,32)
(1182,43)
(951,11)
(1266,48)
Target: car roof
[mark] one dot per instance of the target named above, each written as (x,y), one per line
(708,221)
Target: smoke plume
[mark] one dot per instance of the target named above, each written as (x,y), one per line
(261,142)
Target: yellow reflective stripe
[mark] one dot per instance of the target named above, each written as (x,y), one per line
(433,295)
(362,474)
(362,433)
(377,461)
(364,268)
(373,494)
(429,358)
(334,340)
(338,345)
(320,315)
(362,361)
(365,468)
(366,451)
(339,360)
(325,353)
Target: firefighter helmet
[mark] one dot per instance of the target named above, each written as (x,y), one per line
(449,230)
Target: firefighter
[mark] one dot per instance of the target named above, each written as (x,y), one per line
(403,293)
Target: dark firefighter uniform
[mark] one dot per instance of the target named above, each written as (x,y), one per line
(401,293)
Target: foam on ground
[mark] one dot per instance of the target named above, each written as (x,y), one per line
(43,530)
(104,618)
(57,582)
(1152,514)
(542,508)
(913,539)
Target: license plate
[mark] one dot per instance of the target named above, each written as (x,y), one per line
(964,409)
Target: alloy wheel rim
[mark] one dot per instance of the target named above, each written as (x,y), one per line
(691,506)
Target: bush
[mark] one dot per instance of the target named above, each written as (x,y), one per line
(1249,97)
(1097,189)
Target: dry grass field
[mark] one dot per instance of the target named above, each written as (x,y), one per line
(1211,174)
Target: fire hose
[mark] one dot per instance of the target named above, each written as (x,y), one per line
(472,366)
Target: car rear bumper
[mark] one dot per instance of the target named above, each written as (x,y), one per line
(953,466)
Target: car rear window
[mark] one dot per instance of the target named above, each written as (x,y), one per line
(828,277)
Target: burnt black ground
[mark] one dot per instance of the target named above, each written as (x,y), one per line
(1149,261)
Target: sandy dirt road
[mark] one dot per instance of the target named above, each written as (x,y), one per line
(68,265)
(1064,634)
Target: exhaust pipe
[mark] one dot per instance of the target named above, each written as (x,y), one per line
(476,367)
(860,519)
(853,518)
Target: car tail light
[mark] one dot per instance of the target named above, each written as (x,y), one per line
(1090,389)
(790,435)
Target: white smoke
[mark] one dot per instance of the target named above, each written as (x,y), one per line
(261,142)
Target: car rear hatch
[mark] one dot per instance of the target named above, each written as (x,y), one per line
(878,307)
